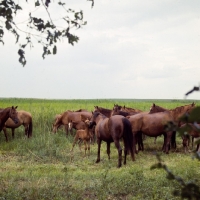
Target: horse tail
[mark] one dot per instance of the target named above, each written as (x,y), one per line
(128,137)
(30,128)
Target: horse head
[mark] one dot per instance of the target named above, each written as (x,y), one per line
(13,114)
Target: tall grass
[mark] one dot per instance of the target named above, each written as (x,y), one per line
(44,168)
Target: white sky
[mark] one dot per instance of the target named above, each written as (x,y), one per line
(128,49)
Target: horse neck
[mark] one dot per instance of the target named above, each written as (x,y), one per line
(106,112)
(100,118)
(4,115)
(177,113)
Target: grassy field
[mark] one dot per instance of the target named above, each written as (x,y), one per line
(44,168)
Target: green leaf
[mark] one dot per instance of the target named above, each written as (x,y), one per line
(54,50)
(37,3)
(8,26)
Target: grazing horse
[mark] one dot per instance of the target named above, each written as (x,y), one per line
(6,113)
(68,116)
(155,124)
(25,119)
(112,130)
(104,111)
(84,135)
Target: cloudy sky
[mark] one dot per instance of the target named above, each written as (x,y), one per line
(128,49)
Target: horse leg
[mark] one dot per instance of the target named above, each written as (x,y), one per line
(75,140)
(168,140)
(13,133)
(98,152)
(66,129)
(26,130)
(88,147)
(117,145)
(108,150)
(5,133)
(164,143)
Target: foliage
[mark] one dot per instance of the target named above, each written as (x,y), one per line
(45,32)
(189,190)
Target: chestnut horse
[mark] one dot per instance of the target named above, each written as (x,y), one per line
(84,135)
(80,126)
(25,119)
(155,124)
(66,117)
(112,130)
(6,113)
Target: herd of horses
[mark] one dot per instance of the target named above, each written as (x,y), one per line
(111,125)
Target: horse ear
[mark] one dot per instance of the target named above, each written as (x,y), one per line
(154,104)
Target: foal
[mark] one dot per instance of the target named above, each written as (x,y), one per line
(84,135)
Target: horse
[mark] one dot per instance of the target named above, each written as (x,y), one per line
(66,117)
(25,119)
(84,135)
(116,111)
(127,109)
(155,108)
(5,113)
(189,130)
(80,126)
(112,130)
(155,124)
(104,111)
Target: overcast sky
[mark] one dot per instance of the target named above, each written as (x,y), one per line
(128,49)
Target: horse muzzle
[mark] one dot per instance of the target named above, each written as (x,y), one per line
(91,124)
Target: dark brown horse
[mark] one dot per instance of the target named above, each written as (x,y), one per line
(68,116)
(105,111)
(112,130)
(6,113)
(25,119)
(155,124)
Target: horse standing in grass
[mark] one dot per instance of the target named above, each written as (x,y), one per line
(25,119)
(7,113)
(68,116)
(83,135)
(112,130)
(155,124)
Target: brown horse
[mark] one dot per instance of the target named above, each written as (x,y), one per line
(128,109)
(68,116)
(155,108)
(189,130)
(104,111)
(155,124)
(7,113)
(25,119)
(112,130)
(80,126)
(84,135)
(116,111)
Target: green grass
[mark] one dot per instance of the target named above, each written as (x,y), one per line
(44,168)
